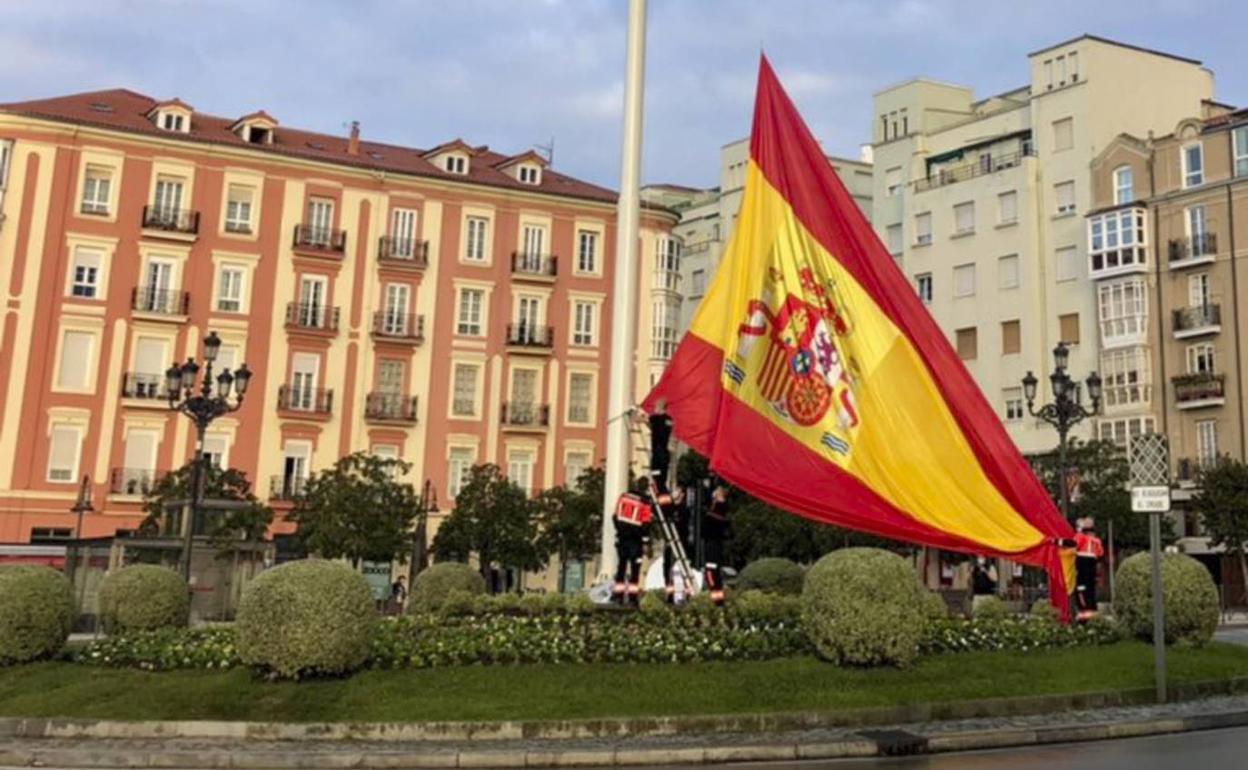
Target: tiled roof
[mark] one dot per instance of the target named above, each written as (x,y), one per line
(124,110)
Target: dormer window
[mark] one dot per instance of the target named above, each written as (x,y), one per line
(172,121)
(456,164)
(256,128)
(530,174)
(172,115)
(259,135)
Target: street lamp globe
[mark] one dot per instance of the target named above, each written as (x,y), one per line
(1029,387)
(189,370)
(212,346)
(225,381)
(173,382)
(1061,356)
(1094,389)
(242,376)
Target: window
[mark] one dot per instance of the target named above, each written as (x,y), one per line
(923,285)
(1124,185)
(456,164)
(1073,59)
(1013,398)
(1117,240)
(172,121)
(167,206)
(217,449)
(1007,207)
(892,182)
(964,281)
(575,464)
(1126,377)
(1122,430)
(697,283)
(1122,307)
(464,395)
(923,228)
(964,218)
(1206,442)
(1068,328)
(238,209)
(1193,165)
(459,468)
(1198,232)
(475,239)
(665,319)
(312,301)
(1048,74)
(1067,263)
(1007,271)
(893,238)
(1241,152)
(587,252)
(668,255)
(1200,358)
(66,441)
(320,221)
(96,186)
(147,377)
(394,319)
(230,289)
(968,343)
(580,395)
(86,273)
(520,469)
(1063,134)
(295,461)
(583,323)
(403,233)
(304,370)
(1011,338)
(530,174)
(6,154)
(1064,192)
(139,461)
(74,372)
(470,301)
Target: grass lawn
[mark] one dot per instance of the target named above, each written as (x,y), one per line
(587,691)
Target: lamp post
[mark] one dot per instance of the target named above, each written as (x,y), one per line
(82,505)
(202,408)
(1065,411)
(420,549)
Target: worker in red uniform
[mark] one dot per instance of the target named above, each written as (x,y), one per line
(1088,553)
(632,525)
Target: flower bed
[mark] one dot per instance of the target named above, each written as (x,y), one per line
(1014,632)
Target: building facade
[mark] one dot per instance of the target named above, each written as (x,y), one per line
(448,306)
(981,202)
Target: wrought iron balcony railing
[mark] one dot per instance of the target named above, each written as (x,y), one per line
(134,481)
(391,406)
(404,251)
(1193,247)
(408,327)
(1189,388)
(530,335)
(146,386)
(286,487)
(293,398)
(150,299)
(524,263)
(525,415)
(311,315)
(171,220)
(987,164)
(1195,317)
(325,239)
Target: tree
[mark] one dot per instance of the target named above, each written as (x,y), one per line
(358,510)
(224,528)
(492,519)
(1222,503)
(569,521)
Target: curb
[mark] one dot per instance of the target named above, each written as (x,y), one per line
(877,743)
(435,732)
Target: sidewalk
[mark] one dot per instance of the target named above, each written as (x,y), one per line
(697,748)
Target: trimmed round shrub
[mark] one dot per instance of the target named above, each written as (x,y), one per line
(1043,609)
(773,576)
(36,612)
(989,608)
(864,607)
(1187,590)
(306,618)
(434,585)
(934,606)
(143,597)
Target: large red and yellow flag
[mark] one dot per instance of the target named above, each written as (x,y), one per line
(813,378)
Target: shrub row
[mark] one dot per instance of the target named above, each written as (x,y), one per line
(1019,633)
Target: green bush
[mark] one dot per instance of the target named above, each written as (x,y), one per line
(306,618)
(434,585)
(934,606)
(142,597)
(1043,609)
(164,649)
(989,608)
(36,612)
(777,576)
(864,607)
(1018,633)
(1187,590)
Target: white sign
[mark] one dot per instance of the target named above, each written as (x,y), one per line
(1150,499)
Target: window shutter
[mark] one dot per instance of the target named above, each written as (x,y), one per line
(75,360)
(63,454)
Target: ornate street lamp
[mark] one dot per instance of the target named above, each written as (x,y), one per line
(1066,410)
(82,505)
(202,408)
(420,548)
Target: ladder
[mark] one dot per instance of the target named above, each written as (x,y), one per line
(671,539)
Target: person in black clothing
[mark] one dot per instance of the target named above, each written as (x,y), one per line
(632,535)
(660,438)
(714,529)
(983,578)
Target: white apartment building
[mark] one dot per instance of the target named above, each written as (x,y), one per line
(708,217)
(983,203)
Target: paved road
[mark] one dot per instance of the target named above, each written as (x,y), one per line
(1234,634)
(1213,750)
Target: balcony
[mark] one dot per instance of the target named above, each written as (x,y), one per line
(165,303)
(312,401)
(529,338)
(312,317)
(133,481)
(667,280)
(147,387)
(1197,320)
(178,222)
(1196,391)
(399,327)
(534,267)
(525,416)
(406,253)
(391,407)
(1188,469)
(320,241)
(286,488)
(1193,250)
(982,167)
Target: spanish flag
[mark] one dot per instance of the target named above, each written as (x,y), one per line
(813,378)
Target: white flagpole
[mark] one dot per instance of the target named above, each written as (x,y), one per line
(624,312)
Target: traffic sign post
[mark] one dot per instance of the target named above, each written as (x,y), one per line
(1150,493)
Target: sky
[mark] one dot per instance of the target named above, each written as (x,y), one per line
(515,74)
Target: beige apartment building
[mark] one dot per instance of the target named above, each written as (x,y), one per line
(1170,281)
(982,200)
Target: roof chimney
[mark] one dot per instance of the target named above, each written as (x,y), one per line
(353,143)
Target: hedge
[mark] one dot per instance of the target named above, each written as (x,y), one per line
(143,597)
(777,576)
(1187,590)
(435,585)
(36,612)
